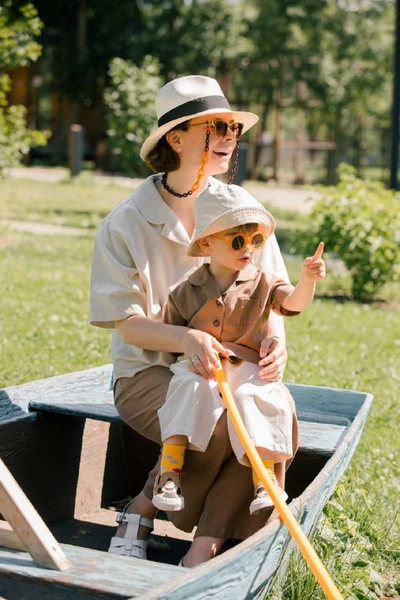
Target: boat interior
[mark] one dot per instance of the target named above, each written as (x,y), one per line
(79,464)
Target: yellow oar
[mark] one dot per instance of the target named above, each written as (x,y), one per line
(287,517)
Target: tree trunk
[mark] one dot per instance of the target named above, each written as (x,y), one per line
(276,146)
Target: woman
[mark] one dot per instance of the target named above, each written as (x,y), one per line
(139,256)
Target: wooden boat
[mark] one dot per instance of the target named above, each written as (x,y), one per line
(64,443)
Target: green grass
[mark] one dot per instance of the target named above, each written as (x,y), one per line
(74,203)
(44,331)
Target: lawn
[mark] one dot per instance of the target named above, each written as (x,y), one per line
(44,329)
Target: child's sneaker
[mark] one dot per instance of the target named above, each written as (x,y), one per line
(167,492)
(262,499)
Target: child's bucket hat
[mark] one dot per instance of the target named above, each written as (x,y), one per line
(189,97)
(225,207)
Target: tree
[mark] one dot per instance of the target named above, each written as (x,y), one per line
(80,39)
(357,62)
(327,61)
(285,45)
(130,111)
(18,29)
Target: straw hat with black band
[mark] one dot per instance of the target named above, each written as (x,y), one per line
(186,98)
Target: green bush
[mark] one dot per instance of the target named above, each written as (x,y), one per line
(15,138)
(131,114)
(18,47)
(359,221)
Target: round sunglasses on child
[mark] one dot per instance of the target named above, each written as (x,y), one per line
(220,127)
(239,241)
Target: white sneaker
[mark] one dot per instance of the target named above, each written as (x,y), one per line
(167,492)
(262,500)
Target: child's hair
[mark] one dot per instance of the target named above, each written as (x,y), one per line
(247,227)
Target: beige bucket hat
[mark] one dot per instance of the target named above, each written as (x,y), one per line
(189,97)
(225,207)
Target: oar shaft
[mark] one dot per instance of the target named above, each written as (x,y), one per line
(287,517)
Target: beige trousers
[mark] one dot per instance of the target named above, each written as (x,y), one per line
(194,405)
(217,489)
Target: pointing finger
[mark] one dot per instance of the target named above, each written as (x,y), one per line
(319,251)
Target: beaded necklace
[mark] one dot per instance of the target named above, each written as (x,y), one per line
(170,190)
(195,186)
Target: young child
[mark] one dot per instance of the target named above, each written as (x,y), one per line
(230,299)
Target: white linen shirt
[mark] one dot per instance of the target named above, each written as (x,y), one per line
(139,257)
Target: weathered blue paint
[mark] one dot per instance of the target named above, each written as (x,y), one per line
(331,423)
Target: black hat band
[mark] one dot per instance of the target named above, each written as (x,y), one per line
(194,107)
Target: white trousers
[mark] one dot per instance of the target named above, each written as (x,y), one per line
(194,405)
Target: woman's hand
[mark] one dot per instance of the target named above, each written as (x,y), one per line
(200,348)
(273,356)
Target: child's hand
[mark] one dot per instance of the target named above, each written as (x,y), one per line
(314,266)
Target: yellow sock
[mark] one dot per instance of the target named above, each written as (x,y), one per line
(270,467)
(172,458)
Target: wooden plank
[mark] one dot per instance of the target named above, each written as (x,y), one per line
(47,455)
(89,485)
(93,386)
(88,385)
(95,573)
(100,412)
(329,402)
(321,438)
(314,436)
(28,524)
(8,410)
(9,538)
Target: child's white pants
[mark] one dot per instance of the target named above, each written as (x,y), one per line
(194,405)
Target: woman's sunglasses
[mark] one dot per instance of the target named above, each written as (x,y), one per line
(220,127)
(238,241)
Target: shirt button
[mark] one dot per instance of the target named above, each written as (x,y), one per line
(216,323)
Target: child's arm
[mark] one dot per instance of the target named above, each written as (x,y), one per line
(313,270)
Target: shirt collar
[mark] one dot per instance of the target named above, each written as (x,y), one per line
(149,202)
(152,207)
(203,277)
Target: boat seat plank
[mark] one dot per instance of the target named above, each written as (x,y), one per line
(94,572)
(98,412)
(315,436)
(320,438)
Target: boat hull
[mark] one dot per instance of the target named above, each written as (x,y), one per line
(68,449)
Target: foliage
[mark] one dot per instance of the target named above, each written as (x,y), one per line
(195,36)
(332,61)
(131,113)
(349,541)
(17,35)
(360,222)
(18,46)
(15,138)
(189,36)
